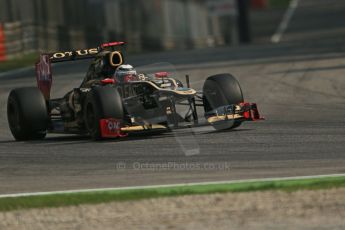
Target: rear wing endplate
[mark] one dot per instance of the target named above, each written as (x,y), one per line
(44,75)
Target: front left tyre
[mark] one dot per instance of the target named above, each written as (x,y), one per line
(27,114)
(100,103)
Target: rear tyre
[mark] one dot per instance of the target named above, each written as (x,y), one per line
(221,90)
(27,114)
(101,102)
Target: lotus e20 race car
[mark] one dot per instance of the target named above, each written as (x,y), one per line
(114,100)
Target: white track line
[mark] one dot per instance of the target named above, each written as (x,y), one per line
(285,22)
(167,186)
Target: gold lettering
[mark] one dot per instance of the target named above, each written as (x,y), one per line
(85,52)
(59,55)
(82,52)
(93,51)
(69,53)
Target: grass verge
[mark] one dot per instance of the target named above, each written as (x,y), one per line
(58,200)
(24,61)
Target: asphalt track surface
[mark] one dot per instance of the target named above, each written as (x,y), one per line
(299,86)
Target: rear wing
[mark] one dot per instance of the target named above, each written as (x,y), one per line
(82,54)
(43,66)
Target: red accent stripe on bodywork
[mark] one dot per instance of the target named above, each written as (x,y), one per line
(109,44)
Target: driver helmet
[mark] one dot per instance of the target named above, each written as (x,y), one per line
(125,73)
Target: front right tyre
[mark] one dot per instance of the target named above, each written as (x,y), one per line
(222,90)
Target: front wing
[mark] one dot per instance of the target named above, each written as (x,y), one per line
(113,128)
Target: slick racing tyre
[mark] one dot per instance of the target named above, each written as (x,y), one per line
(27,114)
(221,90)
(101,102)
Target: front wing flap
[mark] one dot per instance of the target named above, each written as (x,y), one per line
(113,128)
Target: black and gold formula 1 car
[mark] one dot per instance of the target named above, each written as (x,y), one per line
(114,100)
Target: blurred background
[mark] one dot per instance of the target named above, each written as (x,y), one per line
(151,25)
